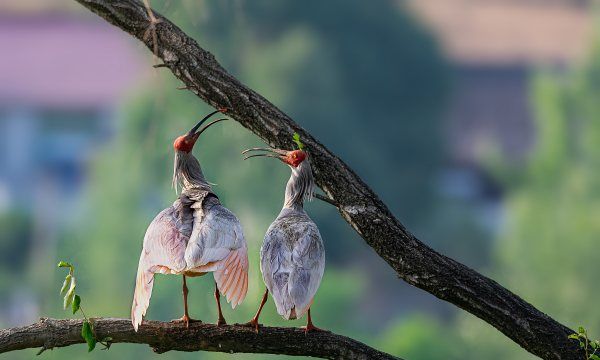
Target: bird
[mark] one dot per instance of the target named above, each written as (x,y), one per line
(292,256)
(194,236)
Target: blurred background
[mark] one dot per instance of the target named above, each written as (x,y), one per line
(477,122)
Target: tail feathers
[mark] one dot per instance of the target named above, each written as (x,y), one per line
(287,307)
(232,277)
(141,297)
(297,312)
(292,314)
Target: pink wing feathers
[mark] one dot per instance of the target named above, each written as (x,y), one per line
(163,252)
(232,277)
(193,239)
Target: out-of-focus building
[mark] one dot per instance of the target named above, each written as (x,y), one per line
(494,47)
(62,76)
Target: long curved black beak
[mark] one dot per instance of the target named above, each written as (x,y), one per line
(196,135)
(197,126)
(270,152)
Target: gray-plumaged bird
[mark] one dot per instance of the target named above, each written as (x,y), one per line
(194,236)
(292,257)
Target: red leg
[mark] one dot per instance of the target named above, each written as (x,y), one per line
(186,316)
(309,325)
(254,322)
(221,320)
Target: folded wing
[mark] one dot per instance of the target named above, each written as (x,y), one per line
(217,245)
(292,264)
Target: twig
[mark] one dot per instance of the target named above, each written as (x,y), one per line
(152,30)
(326,199)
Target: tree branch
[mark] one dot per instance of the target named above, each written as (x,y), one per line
(163,337)
(415,262)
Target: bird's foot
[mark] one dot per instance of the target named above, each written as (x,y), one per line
(311,328)
(221,321)
(253,324)
(186,320)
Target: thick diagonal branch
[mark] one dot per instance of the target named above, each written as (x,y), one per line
(162,337)
(413,261)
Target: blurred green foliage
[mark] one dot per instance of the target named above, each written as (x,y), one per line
(342,69)
(364,78)
(547,250)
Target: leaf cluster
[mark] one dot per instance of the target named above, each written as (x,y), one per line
(74,300)
(585,343)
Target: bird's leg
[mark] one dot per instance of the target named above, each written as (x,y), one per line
(221,320)
(309,325)
(254,321)
(186,316)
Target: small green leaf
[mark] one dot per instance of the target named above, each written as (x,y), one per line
(594,357)
(70,294)
(107,342)
(574,336)
(64,264)
(581,330)
(76,303)
(299,143)
(88,335)
(66,284)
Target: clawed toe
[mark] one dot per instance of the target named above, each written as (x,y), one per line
(312,328)
(186,320)
(253,324)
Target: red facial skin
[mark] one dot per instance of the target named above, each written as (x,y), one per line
(294,158)
(185,143)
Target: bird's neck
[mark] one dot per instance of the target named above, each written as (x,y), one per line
(299,187)
(188,173)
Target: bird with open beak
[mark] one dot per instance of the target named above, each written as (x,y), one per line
(292,256)
(194,236)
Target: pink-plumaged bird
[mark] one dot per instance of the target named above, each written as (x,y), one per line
(292,257)
(194,236)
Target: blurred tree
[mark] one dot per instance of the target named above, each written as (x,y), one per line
(15,242)
(302,56)
(547,249)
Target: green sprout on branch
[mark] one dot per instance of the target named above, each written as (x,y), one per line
(585,343)
(74,300)
(299,143)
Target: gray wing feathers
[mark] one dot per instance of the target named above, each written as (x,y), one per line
(308,260)
(292,264)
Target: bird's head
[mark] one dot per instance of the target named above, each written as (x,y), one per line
(185,143)
(291,157)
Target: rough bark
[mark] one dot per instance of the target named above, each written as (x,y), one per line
(162,337)
(415,262)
